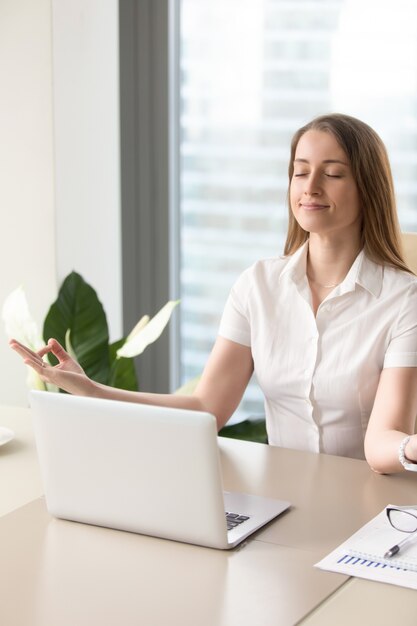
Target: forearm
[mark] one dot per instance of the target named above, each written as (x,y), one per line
(219,391)
(191,402)
(382,451)
(392,418)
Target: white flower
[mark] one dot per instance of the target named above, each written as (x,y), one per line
(20,325)
(146,331)
(18,321)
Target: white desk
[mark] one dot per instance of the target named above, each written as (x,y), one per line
(56,572)
(20,480)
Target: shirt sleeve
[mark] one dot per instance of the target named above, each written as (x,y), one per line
(235,321)
(402,349)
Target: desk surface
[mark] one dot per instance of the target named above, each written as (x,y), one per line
(57,572)
(20,480)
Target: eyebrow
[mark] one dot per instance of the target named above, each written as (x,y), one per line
(325,161)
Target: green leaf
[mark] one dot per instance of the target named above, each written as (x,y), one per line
(249,430)
(79,311)
(122,371)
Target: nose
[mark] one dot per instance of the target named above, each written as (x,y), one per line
(312,185)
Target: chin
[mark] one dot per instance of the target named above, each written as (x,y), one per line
(313,226)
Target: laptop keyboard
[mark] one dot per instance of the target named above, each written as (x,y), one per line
(234,519)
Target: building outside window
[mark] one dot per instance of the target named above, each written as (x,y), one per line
(252,72)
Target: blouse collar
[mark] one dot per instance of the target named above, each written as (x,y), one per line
(363,272)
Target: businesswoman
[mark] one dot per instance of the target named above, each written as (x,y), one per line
(330,328)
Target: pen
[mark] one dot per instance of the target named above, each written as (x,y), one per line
(395,549)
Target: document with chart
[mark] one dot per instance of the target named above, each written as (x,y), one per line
(362,555)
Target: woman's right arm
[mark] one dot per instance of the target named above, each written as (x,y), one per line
(218,392)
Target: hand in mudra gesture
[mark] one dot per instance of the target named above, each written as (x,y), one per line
(67,374)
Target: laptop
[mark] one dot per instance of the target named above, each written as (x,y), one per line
(139,468)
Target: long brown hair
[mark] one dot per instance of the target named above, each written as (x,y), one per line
(381,235)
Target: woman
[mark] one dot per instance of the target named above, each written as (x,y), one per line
(330,329)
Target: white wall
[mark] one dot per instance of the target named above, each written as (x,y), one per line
(27,248)
(59,159)
(87,152)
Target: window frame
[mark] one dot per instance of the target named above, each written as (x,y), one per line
(148,44)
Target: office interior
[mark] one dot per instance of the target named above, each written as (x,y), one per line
(90,169)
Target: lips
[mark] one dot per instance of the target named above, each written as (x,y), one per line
(310,206)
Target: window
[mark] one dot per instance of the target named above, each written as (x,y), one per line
(251,73)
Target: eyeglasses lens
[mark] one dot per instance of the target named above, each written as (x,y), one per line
(402,520)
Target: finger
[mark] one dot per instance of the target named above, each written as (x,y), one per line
(38,365)
(21,349)
(45,372)
(43,351)
(29,357)
(13,343)
(55,347)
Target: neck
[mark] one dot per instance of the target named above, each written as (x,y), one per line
(329,261)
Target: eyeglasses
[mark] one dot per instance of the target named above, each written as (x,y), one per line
(402,519)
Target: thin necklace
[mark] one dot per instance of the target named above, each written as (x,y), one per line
(327,286)
(324,286)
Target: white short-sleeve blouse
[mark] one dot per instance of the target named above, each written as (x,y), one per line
(319,374)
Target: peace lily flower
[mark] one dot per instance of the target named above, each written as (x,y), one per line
(146,331)
(20,325)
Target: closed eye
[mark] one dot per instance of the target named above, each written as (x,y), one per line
(325,173)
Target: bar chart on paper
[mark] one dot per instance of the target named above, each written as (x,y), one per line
(362,556)
(343,563)
(361,563)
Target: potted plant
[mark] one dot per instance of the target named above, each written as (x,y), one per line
(78,321)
